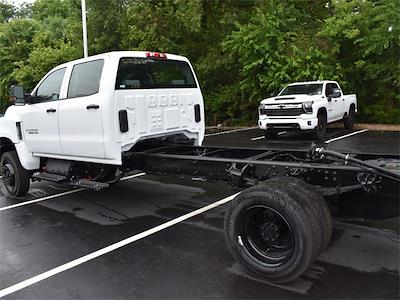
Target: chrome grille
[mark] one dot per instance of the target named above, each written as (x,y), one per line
(282,112)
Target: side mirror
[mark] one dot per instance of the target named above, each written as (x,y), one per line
(336,93)
(17,93)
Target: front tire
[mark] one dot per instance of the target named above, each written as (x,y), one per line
(16,179)
(320,130)
(271,232)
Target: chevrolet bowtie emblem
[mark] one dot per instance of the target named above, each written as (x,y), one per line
(281,106)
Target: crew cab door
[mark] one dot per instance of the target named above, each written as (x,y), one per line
(80,117)
(40,120)
(334,106)
(341,102)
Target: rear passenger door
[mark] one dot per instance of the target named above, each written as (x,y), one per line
(80,116)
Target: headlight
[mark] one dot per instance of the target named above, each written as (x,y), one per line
(307,106)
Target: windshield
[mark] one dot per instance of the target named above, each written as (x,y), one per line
(308,89)
(148,73)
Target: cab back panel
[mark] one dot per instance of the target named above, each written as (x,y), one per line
(153,113)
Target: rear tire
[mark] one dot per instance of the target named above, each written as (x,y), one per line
(316,203)
(349,119)
(271,232)
(16,179)
(320,130)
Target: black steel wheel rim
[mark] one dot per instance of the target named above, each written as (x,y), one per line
(265,235)
(8,175)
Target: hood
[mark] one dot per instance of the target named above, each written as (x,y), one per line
(293,99)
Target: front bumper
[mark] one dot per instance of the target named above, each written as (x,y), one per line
(302,123)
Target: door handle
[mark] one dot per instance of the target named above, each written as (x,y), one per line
(51,110)
(93,106)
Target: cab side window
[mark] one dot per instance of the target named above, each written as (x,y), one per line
(329,89)
(334,86)
(49,89)
(85,79)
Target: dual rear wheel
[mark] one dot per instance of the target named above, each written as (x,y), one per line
(278,228)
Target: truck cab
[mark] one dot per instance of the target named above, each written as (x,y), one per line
(94,109)
(307,106)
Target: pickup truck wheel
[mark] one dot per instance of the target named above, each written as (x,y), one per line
(271,233)
(16,179)
(316,204)
(320,130)
(348,120)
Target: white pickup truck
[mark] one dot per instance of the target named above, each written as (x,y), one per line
(307,106)
(88,121)
(92,110)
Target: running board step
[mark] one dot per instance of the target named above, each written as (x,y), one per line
(88,184)
(49,177)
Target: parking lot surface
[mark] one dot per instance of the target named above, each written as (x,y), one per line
(158,237)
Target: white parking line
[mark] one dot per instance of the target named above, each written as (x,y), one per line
(257,138)
(263,137)
(58,195)
(231,131)
(345,136)
(110,248)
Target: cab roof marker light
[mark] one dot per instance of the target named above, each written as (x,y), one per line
(156,55)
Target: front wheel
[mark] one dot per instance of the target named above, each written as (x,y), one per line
(16,179)
(320,130)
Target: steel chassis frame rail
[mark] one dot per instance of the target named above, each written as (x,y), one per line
(332,173)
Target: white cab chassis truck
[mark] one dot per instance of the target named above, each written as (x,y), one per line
(89,121)
(307,106)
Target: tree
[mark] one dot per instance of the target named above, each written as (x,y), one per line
(366,35)
(15,45)
(7,11)
(277,46)
(242,50)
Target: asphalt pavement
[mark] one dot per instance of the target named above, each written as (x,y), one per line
(151,237)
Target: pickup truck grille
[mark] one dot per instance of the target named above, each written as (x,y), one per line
(282,112)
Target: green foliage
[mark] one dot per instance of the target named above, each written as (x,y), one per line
(15,40)
(31,46)
(366,35)
(242,50)
(277,46)
(7,11)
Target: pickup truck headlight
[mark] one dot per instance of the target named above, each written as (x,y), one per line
(307,106)
(261,109)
